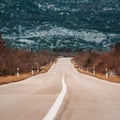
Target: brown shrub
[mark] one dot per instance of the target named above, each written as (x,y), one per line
(101,60)
(10,60)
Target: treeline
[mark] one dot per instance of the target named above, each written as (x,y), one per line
(100,60)
(11,59)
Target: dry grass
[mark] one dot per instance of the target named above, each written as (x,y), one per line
(10,78)
(47,67)
(115,79)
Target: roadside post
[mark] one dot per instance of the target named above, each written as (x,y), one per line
(94,72)
(32,71)
(87,70)
(18,74)
(106,73)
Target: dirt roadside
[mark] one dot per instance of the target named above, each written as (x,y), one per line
(115,79)
(23,76)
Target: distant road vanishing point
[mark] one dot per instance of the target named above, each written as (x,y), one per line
(60,94)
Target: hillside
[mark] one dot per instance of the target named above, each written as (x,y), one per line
(60,24)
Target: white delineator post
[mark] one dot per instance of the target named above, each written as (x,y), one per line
(32,71)
(106,73)
(94,72)
(87,70)
(18,74)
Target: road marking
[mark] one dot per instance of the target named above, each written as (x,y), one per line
(56,106)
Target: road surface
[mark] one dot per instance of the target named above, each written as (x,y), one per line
(82,97)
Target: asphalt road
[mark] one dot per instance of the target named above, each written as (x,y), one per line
(63,93)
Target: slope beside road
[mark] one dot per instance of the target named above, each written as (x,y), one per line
(86,98)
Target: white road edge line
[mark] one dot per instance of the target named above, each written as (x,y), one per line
(56,106)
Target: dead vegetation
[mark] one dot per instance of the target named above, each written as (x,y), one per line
(11,78)
(87,61)
(11,59)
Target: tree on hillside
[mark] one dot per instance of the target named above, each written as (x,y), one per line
(2,42)
(117,47)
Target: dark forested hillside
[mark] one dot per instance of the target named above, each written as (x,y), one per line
(59,24)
